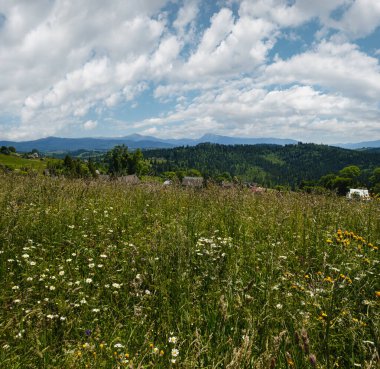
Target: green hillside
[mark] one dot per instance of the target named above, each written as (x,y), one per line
(16,162)
(266,164)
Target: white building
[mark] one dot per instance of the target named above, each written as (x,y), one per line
(358,193)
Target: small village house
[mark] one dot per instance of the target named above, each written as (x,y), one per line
(195,182)
(130,179)
(358,193)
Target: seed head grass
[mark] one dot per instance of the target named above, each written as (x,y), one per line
(103,275)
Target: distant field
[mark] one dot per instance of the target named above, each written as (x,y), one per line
(16,162)
(102,275)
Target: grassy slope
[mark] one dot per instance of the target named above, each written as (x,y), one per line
(15,162)
(236,277)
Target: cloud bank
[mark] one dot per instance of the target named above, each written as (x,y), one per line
(298,69)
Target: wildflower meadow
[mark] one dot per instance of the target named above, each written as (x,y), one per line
(104,275)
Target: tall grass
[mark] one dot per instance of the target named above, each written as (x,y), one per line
(100,275)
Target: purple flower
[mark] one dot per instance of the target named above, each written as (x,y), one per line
(87,332)
(313,360)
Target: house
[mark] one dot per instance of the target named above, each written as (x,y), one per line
(358,193)
(130,180)
(33,155)
(192,181)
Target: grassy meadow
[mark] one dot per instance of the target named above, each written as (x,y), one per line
(100,275)
(16,162)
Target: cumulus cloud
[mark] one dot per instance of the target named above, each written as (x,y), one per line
(300,112)
(290,14)
(185,21)
(361,18)
(341,67)
(62,58)
(77,65)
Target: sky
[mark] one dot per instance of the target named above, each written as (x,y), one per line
(301,69)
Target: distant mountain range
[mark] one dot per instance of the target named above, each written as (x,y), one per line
(360,145)
(57,144)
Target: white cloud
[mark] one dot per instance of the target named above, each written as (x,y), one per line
(338,67)
(230,46)
(299,112)
(162,60)
(90,124)
(286,14)
(361,19)
(186,17)
(60,60)
(56,59)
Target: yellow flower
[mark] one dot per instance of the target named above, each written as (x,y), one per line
(290,362)
(377,293)
(289,359)
(329,241)
(162,352)
(322,316)
(329,279)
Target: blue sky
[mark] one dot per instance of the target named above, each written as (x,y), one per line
(301,69)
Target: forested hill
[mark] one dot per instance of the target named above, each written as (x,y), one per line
(265,164)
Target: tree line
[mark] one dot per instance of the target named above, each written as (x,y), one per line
(300,166)
(306,167)
(116,162)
